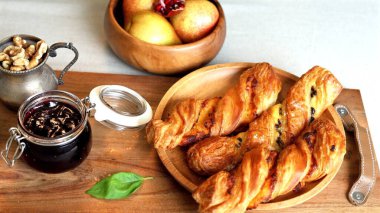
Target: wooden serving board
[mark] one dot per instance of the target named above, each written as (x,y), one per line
(218,79)
(23,189)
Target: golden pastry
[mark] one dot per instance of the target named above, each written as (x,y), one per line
(264,175)
(275,128)
(193,120)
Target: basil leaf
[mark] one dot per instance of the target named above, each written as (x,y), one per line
(117,186)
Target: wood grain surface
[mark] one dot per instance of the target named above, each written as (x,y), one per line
(218,79)
(23,189)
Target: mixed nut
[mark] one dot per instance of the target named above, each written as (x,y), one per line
(21,55)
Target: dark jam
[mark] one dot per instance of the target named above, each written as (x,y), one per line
(52,119)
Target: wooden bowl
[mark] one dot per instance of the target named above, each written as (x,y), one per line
(213,81)
(156,58)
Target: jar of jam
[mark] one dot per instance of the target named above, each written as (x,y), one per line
(53,134)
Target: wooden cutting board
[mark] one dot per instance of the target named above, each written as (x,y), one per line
(23,189)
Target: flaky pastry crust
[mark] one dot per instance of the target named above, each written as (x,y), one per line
(306,100)
(193,120)
(266,174)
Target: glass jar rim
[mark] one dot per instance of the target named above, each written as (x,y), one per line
(56,95)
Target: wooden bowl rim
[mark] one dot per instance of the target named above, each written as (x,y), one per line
(190,186)
(221,24)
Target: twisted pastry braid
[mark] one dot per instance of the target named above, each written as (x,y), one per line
(264,175)
(275,128)
(193,120)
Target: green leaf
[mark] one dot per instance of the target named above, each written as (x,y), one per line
(117,186)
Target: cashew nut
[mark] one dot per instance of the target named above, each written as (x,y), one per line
(4,57)
(17,68)
(6,64)
(32,63)
(21,62)
(18,41)
(17,53)
(22,55)
(29,52)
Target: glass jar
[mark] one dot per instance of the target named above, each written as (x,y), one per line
(48,147)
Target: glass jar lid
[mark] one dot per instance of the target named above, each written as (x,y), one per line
(119,107)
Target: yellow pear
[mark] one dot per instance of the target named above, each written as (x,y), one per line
(152,28)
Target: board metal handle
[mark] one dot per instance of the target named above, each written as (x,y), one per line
(362,187)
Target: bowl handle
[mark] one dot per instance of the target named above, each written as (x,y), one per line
(53,53)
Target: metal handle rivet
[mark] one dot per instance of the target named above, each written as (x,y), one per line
(342,111)
(358,196)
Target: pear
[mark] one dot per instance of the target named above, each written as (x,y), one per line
(130,7)
(152,28)
(196,21)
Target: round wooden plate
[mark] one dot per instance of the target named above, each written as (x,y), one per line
(212,81)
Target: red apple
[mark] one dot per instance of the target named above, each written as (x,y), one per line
(196,21)
(131,7)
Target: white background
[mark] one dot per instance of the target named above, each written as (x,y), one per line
(341,35)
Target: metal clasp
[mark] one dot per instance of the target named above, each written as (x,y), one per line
(15,135)
(90,106)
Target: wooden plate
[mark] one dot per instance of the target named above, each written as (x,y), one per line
(213,81)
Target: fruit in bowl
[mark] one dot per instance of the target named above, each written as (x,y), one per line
(196,20)
(161,59)
(130,7)
(152,28)
(168,22)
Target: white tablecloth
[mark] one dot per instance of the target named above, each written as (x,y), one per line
(341,35)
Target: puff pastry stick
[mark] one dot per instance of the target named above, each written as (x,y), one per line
(275,128)
(263,176)
(193,120)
